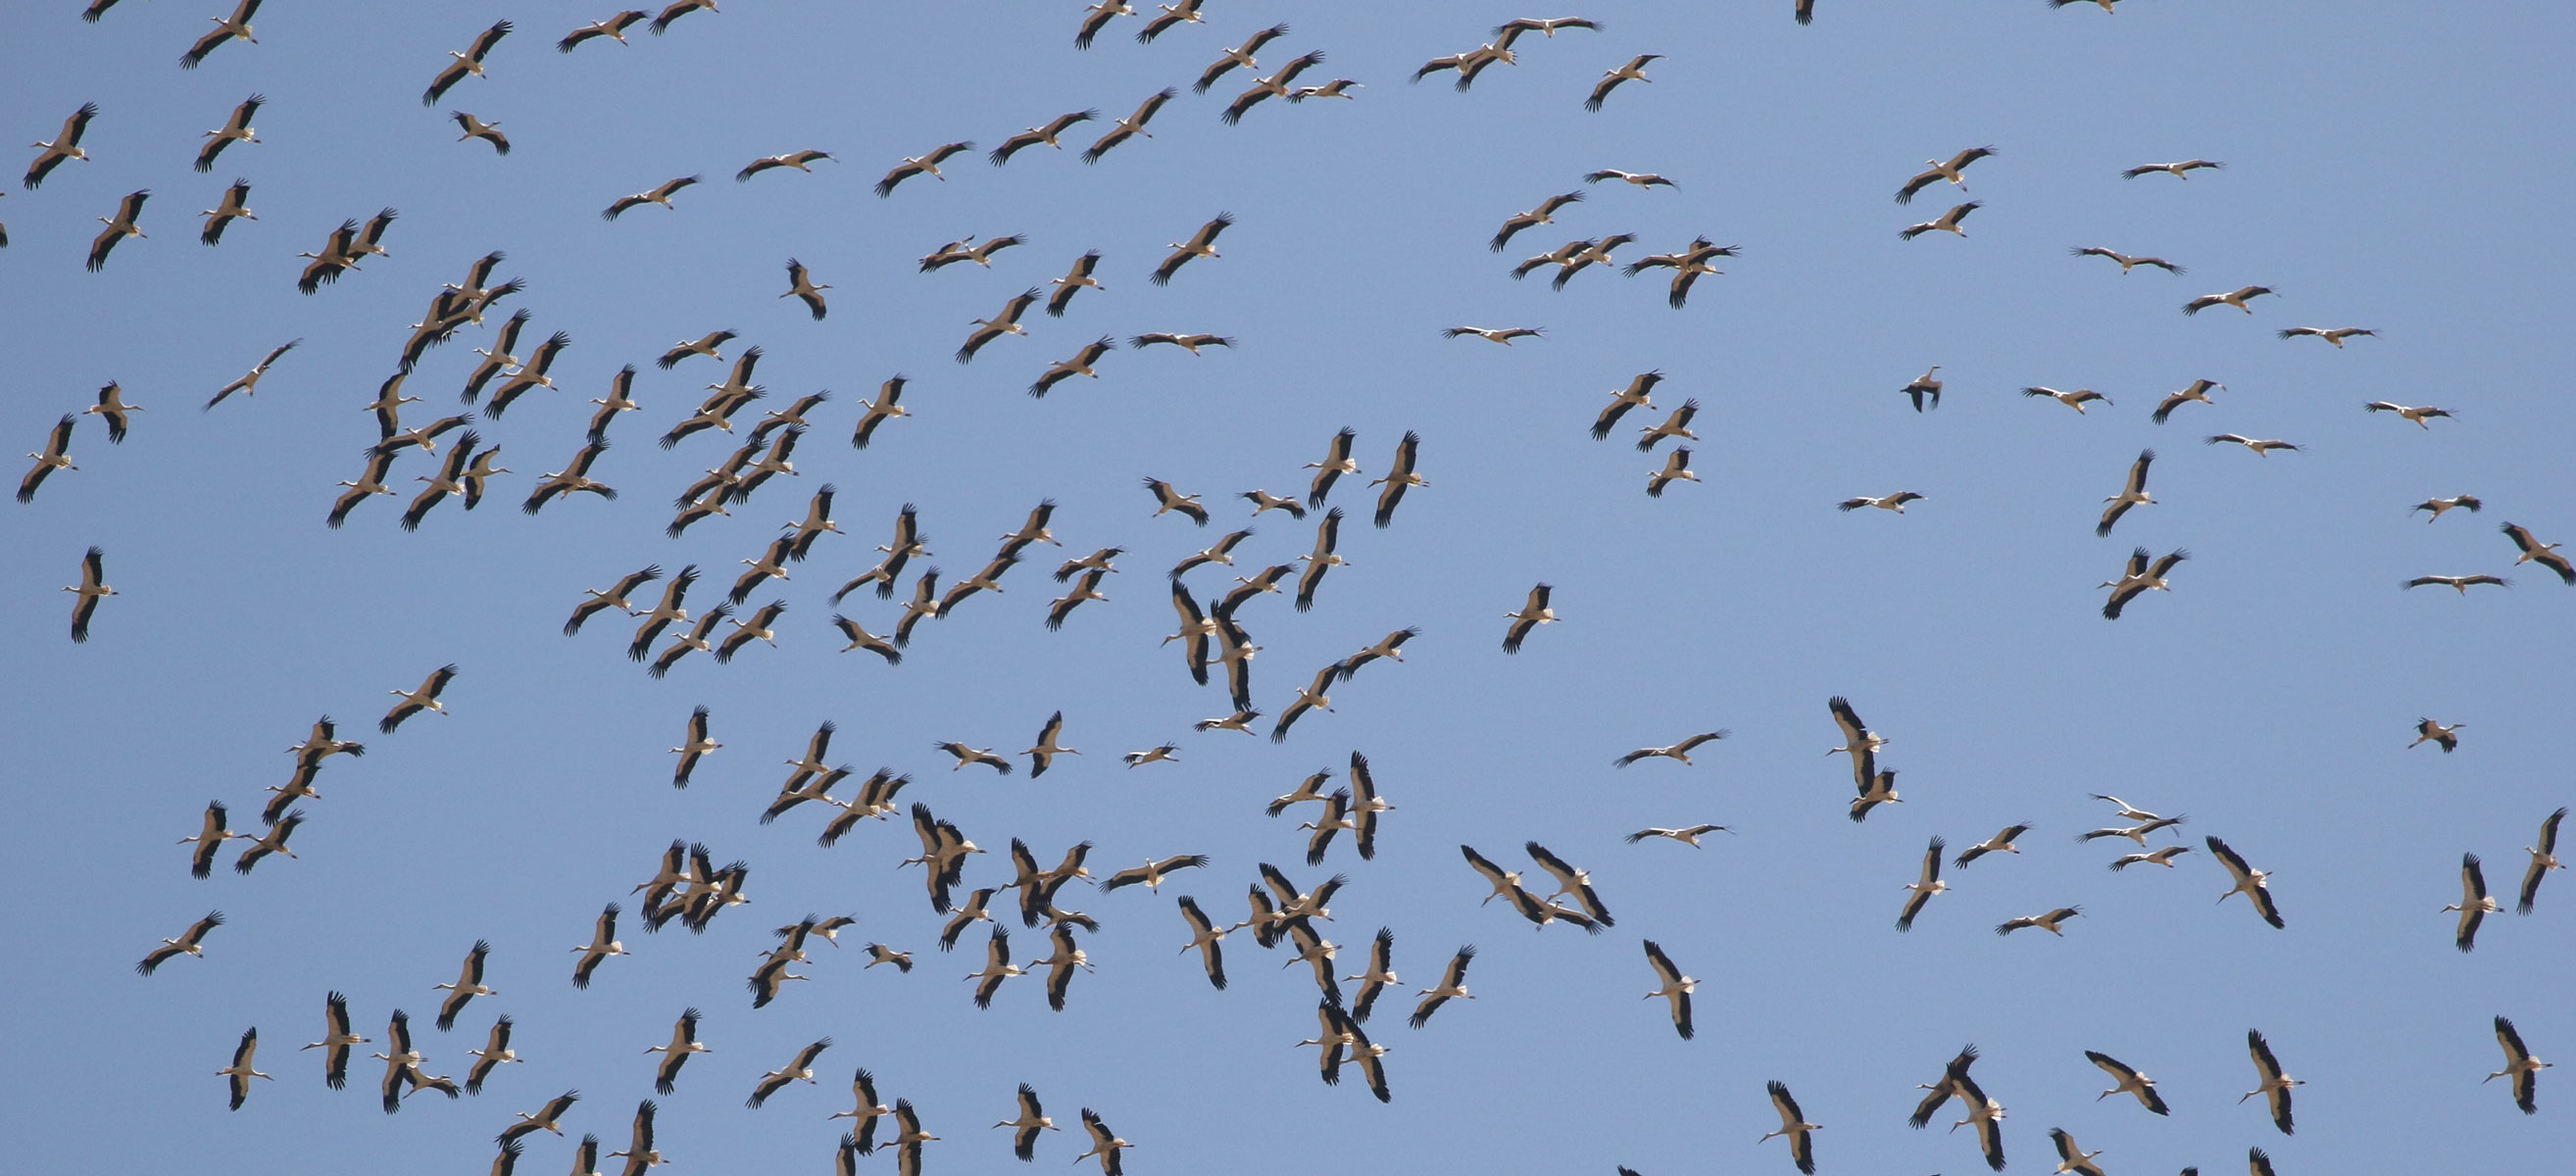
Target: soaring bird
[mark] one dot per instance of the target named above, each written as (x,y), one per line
(2198,391)
(2076,399)
(1036,135)
(2127,1081)
(1274,86)
(1947,222)
(1894,502)
(1937,171)
(1924,887)
(2237,298)
(1532,614)
(1926,387)
(2422,414)
(2544,858)
(86,595)
(248,384)
(675,1053)
(2446,738)
(2272,1084)
(802,287)
(237,1076)
(468,62)
(2475,903)
(2050,922)
(800,1069)
(1637,394)
(613,28)
(2459,582)
(2134,493)
(415,701)
(227,210)
(190,942)
(1678,751)
(1673,987)
(2334,335)
(1544,214)
(674,11)
(119,227)
(2535,551)
(1200,244)
(1132,125)
(336,1040)
(1634,71)
(800,160)
(1006,322)
(2249,882)
(1080,364)
(2140,577)
(2126,261)
(1032,1119)
(1794,1124)
(236,129)
(65,145)
(2438,505)
(1676,425)
(926,163)
(2001,842)
(2180,169)
(1453,983)
(476,128)
(1502,335)
(2519,1066)
(659,195)
(468,985)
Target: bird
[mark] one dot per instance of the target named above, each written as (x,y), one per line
(1677,751)
(2273,1085)
(274,841)
(1185,12)
(1205,936)
(238,1075)
(1132,125)
(997,968)
(2134,493)
(1794,1124)
(1947,222)
(1925,886)
(1007,322)
(2422,415)
(476,128)
(1502,335)
(2126,261)
(674,11)
(2127,1081)
(2475,903)
(2071,1157)
(1925,387)
(639,1153)
(87,593)
(496,1052)
(1199,245)
(1571,882)
(1895,502)
(1878,789)
(613,597)
(1637,394)
(1633,71)
(1937,171)
(336,1040)
(2334,335)
(2076,399)
(1453,983)
(190,942)
(468,985)
(2468,502)
(1152,873)
(468,62)
(2049,922)
(1544,214)
(1042,756)
(1088,588)
(236,129)
(2161,857)
(2447,738)
(1673,987)
(2519,1066)
(248,384)
(1032,1119)
(2535,551)
(547,1117)
(970,755)
(2001,842)
(1676,425)
(2139,578)
(1640,179)
(2236,298)
(1676,467)
(801,1069)
(658,195)
(119,227)
(227,210)
(2544,858)
(675,1054)
(1171,500)
(802,287)
(2462,583)
(65,145)
(415,701)
(2179,170)
(879,953)
(1034,136)
(800,160)
(1274,86)
(2250,882)
(1532,614)
(2137,833)
(613,28)
(210,837)
(1687,835)
(603,944)
(2261,447)
(926,163)
(1104,1143)
(1078,365)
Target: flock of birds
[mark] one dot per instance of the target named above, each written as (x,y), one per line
(1213,627)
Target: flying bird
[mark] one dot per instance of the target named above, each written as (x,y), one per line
(65,145)
(236,129)
(1925,886)
(190,942)
(1532,614)
(2236,298)
(2134,493)
(2001,842)
(1635,71)
(476,128)
(2251,883)
(2519,1065)
(2438,505)
(2535,551)
(2049,922)
(2447,738)
(237,1076)
(2459,582)
(2180,169)
(613,28)
(119,227)
(1200,244)
(1937,171)
(2127,262)
(1036,135)
(2273,1085)
(802,287)
(660,195)
(926,163)
(2139,578)
(231,208)
(1895,502)
(1502,335)
(468,62)
(86,594)
(2335,335)
(2127,1080)
(2544,858)
(1132,125)
(800,160)
(1947,222)
(415,701)
(1078,365)
(1794,1124)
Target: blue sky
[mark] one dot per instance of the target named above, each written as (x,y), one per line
(2389,166)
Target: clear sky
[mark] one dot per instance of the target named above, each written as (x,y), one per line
(2399,167)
